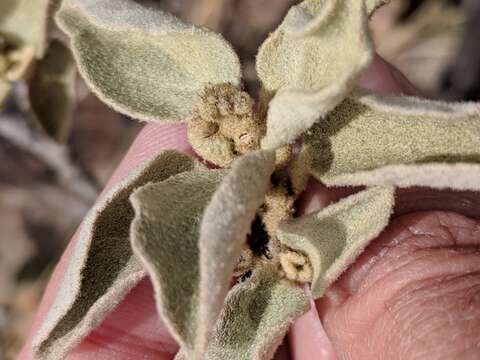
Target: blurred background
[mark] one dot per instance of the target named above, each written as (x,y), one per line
(46,187)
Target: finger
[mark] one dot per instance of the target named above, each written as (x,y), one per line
(151,140)
(384,78)
(307,336)
(308,339)
(132,331)
(414,287)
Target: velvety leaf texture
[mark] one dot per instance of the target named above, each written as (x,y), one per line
(182,224)
(165,236)
(134,57)
(256,317)
(52,91)
(226,223)
(334,237)
(382,140)
(25,22)
(103,268)
(313,60)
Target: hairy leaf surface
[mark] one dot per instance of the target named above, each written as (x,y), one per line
(103,268)
(225,226)
(334,237)
(256,317)
(52,91)
(144,62)
(313,61)
(386,140)
(189,232)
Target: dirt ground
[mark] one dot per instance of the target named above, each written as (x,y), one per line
(39,210)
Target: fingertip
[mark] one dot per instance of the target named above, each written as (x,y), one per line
(384,78)
(308,339)
(151,140)
(132,331)
(317,196)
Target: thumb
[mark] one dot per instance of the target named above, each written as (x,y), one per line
(133,330)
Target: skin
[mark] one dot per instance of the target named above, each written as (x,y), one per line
(414,287)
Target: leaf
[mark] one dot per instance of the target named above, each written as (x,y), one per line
(102,269)
(292,113)
(26,22)
(143,62)
(226,223)
(334,237)
(52,91)
(164,236)
(256,317)
(5,88)
(188,233)
(313,60)
(387,140)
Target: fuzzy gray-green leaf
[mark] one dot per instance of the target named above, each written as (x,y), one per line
(189,231)
(142,61)
(313,59)
(52,91)
(226,223)
(256,317)
(103,268)
(165,236)
(25,22)
(333,238)
(386,140)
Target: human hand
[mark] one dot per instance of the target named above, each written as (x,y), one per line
(414,287)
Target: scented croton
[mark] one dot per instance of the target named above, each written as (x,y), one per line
(226,251)
(29,54)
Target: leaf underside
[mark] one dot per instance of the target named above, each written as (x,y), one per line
(134,58)
(334,237)
(189,232)
(52,91)
(312,61)
(256,317)
(164,236)
(226,223)
(103,268)
(385,140)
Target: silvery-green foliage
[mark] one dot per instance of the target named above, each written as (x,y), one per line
(51,91)
(333,238)
(256,316)
(169,217)
(189,228)
(164,236)
(144,62)
(103,267)
(391,140)
(312,62)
